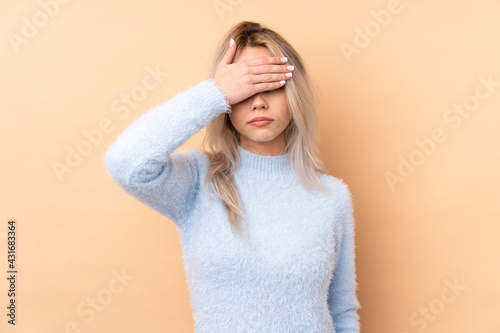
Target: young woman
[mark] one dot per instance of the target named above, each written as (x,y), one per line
(293,269)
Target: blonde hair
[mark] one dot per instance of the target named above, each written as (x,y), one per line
(300,135)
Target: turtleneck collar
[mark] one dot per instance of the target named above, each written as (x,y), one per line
(264,166)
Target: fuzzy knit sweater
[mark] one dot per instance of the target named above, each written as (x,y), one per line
(298,274)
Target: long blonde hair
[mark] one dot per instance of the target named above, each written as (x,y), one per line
(300,135)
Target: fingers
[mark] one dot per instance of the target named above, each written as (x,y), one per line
(271,69)
(260,87)
(263,78)
(266,74)
(228,56)
(263,65)
(266,60)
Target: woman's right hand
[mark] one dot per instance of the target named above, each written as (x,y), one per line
(243,79)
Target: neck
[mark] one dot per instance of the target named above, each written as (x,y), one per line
(271,148)
(264,166)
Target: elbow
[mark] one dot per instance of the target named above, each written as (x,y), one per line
(114,165)
(133,171)
(348,319)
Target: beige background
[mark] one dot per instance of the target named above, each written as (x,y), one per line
(436,226)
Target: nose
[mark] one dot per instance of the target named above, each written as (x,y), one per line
(259,102)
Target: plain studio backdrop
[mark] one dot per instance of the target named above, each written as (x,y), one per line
(408,118)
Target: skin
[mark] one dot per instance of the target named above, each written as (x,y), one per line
(268,139)
(251,84)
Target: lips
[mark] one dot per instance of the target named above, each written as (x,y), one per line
(260,119)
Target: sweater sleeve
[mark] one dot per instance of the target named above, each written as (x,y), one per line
(142,159)
(342,300)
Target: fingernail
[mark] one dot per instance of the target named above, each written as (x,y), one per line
(231,42)
(288,74)
(290,68)
(284,59)
(282,82)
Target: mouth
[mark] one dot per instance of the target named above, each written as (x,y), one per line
(260,119)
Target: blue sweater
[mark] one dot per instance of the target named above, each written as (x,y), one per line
(298,275)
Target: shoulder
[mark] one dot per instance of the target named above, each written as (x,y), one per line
(343,209)
(339,190)
(340,198)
